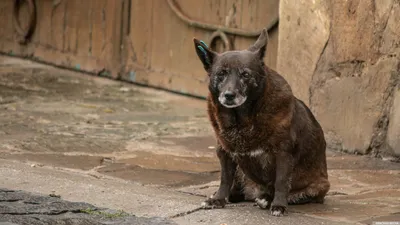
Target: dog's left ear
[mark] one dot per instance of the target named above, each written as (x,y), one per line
(206,55)
(261,44)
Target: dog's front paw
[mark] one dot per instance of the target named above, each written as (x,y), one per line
(262,203)
(212,203)
(278,210)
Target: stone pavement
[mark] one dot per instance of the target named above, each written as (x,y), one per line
(149,153)
(22,208)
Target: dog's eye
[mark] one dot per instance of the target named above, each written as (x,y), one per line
(221,73)
(245,74)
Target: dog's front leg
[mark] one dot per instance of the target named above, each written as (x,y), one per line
(228,169)
(284,166)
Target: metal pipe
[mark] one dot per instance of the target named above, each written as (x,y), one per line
(224,38)
(240,32)
(25,34)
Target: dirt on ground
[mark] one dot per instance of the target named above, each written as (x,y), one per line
(65,120)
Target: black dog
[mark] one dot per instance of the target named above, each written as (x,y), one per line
(270,146)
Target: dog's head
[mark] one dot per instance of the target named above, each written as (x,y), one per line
(235,76)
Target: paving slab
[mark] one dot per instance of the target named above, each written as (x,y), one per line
(251,215)
(23,208)
(107,192)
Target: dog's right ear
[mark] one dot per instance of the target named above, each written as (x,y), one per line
(261,44)
(206,56)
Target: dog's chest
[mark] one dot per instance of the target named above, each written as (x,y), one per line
(250,150)
(257,164)
(240,140)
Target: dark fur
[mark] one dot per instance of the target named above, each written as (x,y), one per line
(270,147)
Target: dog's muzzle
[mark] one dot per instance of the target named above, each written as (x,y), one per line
(230,99)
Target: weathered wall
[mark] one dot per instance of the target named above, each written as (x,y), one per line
(159,44)
(142,41)
(81,35)
(342,57)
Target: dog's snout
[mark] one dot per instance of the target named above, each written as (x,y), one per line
(229,95)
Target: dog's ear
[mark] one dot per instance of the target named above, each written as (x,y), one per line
(261,44)
(206,56)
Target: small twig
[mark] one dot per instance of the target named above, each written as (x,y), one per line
(190,193)
(201,208)
(186,212)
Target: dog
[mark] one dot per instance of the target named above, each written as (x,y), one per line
(270,147)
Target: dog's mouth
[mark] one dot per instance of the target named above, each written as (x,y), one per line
(236,102)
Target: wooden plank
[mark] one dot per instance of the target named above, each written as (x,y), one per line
(112,46)
(248,18)
(249,14)
(213,12)
(178,32)
(45,23)
(140,36)
(233,12)
(9,39)
(83,13)
(57,25)
(125,29)
(255,16)
(12,47)
(109,23)
(6,9)
(176,82)
(36,34)
(71,26)
(192,67)
(67,59)
(98,27)
(169,81)
(160,55)
(117,37)
(266,11)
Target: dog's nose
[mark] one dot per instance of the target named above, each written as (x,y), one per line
(229,95)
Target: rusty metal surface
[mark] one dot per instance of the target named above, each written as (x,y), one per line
(137,41)
(235,31)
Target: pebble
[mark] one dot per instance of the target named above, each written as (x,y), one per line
(124,89)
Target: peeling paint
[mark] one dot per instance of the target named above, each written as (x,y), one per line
(132,76)
(104,73)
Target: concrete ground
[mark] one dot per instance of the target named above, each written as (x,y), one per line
(22,208)
(150,153)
